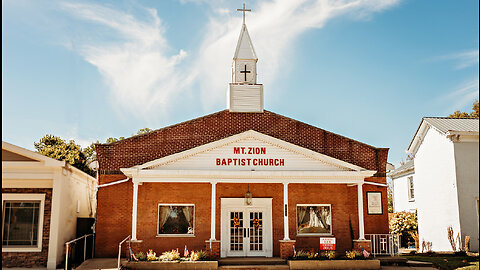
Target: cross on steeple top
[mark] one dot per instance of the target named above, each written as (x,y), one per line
(243,10)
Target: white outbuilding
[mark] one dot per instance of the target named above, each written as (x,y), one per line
(42,201)
(442,181)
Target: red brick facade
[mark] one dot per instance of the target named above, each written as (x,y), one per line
(114,212)
(177,138)
(31,259)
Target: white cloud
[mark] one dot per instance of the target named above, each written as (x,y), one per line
(461,97)
(462,59)
(143,75)
(274,26)
(139,71)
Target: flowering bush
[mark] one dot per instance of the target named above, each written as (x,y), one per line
(151,256)
(329,254)
(350,254)
(403,223)
(170,255)
(141,256)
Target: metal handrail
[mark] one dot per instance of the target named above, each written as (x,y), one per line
(392,243)
(120,249)
(67,244)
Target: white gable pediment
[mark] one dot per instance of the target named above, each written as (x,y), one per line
(249,151)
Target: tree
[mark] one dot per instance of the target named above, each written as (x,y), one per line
(390,197)
(139,132)
(473,114)
(59,149)
(405,224)
(143,131)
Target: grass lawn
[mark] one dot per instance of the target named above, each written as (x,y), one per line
(447,261)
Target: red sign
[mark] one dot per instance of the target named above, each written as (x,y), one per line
(327,243)
(251,158)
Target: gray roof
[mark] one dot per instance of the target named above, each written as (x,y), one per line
(444,124)
(403,168)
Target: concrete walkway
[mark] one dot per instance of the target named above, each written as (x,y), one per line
(111,264)
(99,263)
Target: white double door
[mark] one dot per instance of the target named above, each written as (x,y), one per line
(246,230)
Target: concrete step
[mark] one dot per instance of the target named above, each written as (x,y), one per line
(388,260)
(419,264)
(254,267)
(251,261)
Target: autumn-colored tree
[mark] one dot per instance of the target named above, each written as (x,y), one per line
(390,197)
(473,114)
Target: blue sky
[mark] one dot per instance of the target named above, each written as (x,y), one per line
(368,70)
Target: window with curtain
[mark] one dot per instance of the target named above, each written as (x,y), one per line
(20,225)
(314,219)
(176,219)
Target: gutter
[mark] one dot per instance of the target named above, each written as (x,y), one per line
(113,183)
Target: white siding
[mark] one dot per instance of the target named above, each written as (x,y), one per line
(401,201)
(467,163)
(245,98)
(436,196)
(208,160)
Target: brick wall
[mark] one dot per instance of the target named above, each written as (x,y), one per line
(115,204)
(177,138)
(31,259)
(114,215)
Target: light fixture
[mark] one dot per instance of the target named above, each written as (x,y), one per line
(248,196)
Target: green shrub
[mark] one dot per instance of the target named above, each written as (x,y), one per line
(141,256)
(202,255)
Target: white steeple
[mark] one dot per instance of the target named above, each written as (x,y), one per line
(245,48)
(244,94)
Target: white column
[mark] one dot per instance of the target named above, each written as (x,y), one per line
(285,210)
(212,215)
(134,210)
(361,230)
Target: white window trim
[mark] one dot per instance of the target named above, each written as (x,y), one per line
(174,235)
(313,234)
(26,197)
(410,198)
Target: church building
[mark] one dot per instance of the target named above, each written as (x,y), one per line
(240,182)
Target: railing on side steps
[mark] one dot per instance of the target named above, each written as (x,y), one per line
(120,249)
(68,245)
(384,244)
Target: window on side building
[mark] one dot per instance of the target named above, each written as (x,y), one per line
(22,222)
(411,192)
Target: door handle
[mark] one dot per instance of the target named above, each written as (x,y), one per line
(244,232)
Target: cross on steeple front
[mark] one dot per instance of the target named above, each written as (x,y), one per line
(245,72)
(243,10)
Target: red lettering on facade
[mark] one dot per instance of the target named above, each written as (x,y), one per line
(236,150)
(282,162)
(218,162)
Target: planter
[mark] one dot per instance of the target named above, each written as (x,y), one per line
(172,265)
(334,264)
